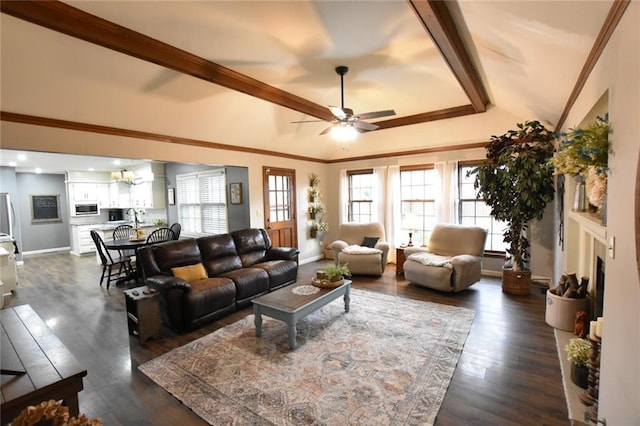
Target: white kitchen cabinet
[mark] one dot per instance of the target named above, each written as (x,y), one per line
(104,200)
(149,194)
(83,191)
(81,242)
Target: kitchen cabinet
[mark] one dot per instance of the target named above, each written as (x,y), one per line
(149,194)
(83,191)
(89,192)
(81,242)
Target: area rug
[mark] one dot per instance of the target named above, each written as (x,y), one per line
(388,360)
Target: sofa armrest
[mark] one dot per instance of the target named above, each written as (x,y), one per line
(383,246)
(467,270)
(164,283)
(337,247)
(282,253)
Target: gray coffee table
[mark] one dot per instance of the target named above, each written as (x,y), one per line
(286,306)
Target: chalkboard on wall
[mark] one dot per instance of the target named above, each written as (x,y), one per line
(45,208)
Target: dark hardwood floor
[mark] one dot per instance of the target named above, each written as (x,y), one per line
(508,373)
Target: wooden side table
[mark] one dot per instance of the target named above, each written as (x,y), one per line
(400,259)
(143,313)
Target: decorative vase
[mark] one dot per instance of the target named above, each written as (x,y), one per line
(313,232)
(580,202)
(580,375)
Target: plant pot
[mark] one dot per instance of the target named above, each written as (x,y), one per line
(580,375)
(516,282)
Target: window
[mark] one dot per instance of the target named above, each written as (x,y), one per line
(202,206)
(360,195)
(417,192)
(474,211)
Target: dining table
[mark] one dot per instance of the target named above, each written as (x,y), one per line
(128,244)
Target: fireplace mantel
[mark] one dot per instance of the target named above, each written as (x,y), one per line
(586,239)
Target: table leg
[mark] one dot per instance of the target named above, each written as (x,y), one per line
(347,299)
(257,320)
(71,401)
(292,335)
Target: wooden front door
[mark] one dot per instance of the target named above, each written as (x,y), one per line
(280,206)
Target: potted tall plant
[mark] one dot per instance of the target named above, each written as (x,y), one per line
(517,183)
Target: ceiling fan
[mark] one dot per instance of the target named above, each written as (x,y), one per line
(345,119)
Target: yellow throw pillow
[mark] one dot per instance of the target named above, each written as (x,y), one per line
(190,273)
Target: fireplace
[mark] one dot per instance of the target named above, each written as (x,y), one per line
(598,289)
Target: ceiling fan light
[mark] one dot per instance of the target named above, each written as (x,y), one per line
(344,132)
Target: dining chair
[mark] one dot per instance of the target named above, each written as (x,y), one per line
(160,235)
(108,262)
(122,232)
(176,228)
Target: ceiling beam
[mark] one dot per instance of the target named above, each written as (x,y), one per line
(137,134)
(424,117)
(438,22)
(74,22)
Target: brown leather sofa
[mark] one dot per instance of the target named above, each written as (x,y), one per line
(230,270)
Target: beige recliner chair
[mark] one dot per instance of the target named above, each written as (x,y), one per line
(362,246)
(452,260)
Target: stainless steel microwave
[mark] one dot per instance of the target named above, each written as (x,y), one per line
(86,209)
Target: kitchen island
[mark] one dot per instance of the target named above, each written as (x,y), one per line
(81,242)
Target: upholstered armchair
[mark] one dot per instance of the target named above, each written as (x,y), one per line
(362,246)
(452,260)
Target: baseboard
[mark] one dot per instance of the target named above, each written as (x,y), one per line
(45,251)
(312,259)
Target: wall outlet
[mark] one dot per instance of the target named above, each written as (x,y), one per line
(258,213)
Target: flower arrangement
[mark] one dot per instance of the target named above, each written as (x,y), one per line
(582,149)
(52,413)
(320,226)
(578,351)
(316,209)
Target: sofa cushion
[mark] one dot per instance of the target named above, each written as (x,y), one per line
(176,253)
(251,245)
(209,295)
(190,273)
(219,254)
(280,272)
(249,282)
(452,240)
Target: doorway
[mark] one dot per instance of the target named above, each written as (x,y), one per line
(280,206)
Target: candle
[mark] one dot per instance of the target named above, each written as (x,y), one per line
(599,325)
(592,330)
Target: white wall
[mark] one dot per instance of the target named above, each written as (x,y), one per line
(618,71)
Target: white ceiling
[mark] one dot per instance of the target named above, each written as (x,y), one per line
(529,55)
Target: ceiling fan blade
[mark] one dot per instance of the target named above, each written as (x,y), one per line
(327,130)
(363,125)
(309,121)
(376,114)
(337,112)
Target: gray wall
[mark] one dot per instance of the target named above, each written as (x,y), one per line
(238,214)
(42,235)
(8,183)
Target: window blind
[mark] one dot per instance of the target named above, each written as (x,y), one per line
(202,202)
